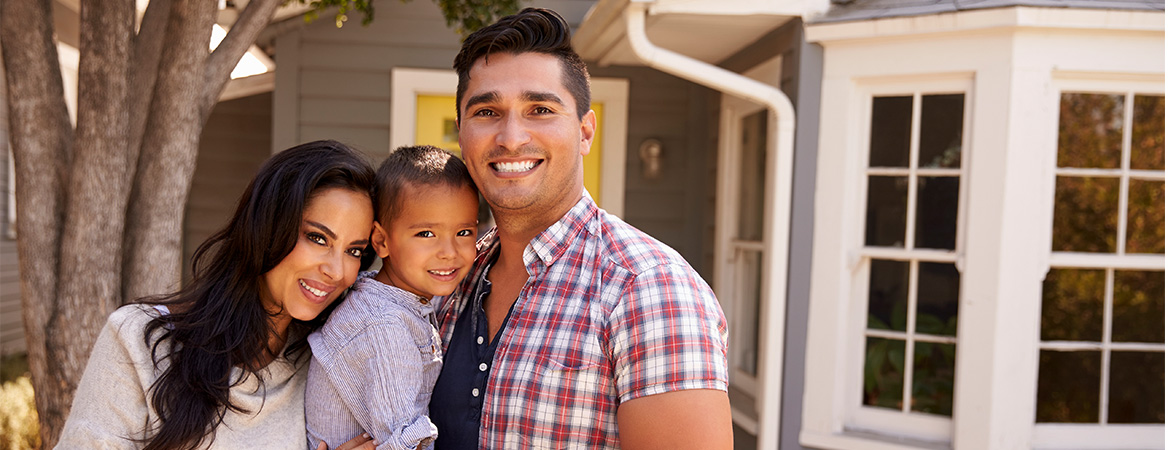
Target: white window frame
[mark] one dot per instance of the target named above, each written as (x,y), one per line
(918,426)
(1099,436)
(406,84)
(857,426)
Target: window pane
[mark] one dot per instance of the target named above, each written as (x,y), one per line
(884,363)
(1148,148)
(889,133)
(1090,130)
(934,378)
(753,163)
(747,311)
(1073,306)
(1139,306)
(1137,387)
(938,299)
(885,211)
(888,282)
(1069,387)
(938,212)
(1146,221)
(941,136)
(1085,215)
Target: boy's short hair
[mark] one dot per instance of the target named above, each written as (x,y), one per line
(537,30)
(417,165)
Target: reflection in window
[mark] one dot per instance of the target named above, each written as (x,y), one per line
(913,304)
(1102,324)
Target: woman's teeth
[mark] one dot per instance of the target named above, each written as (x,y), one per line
(511,167)
(316,292)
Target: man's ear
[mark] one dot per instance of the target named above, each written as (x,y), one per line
(380,240)
(588,131)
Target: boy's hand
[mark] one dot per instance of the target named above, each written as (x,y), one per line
(363,442)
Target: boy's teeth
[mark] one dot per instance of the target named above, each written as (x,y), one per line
(520,166)
(316,292)
(442,272)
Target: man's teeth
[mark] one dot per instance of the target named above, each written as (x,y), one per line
(520,166)
(316,292)
(442,272)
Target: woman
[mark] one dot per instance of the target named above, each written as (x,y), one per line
(222,362)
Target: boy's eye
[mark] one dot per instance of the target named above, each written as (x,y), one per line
(425,234)
(466,233)
(316,238)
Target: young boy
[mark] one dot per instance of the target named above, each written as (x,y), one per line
(376,359)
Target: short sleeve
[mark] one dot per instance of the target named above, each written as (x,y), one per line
(668,333)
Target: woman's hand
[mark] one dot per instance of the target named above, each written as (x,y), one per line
(363,442)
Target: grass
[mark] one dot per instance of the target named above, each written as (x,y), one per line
(19,429)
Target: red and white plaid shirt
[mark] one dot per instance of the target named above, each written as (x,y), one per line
(608,314)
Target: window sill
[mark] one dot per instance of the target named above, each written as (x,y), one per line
(859,440)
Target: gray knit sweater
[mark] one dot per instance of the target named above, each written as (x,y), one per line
(111,409)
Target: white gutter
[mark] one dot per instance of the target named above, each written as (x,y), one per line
(777,201)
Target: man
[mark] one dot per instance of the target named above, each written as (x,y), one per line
(574,330)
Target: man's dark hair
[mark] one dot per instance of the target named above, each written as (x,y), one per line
(420,165)
(536,30)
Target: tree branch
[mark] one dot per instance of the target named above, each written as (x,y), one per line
(40,133)
(242,35)
(148,45)
(169,147)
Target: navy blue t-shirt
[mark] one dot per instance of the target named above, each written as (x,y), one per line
(457,401)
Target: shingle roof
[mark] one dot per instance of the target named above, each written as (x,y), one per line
(852,10)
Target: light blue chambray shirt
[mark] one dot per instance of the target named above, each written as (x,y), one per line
(374,365)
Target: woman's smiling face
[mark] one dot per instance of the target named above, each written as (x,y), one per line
(333,233)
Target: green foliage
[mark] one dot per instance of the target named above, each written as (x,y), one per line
(465,16)
(19,429)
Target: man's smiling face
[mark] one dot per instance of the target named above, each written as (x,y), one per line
(521,138)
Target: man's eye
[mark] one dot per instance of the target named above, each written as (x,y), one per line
(542,110)
(484,113)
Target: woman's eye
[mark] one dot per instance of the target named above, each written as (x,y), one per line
(355,252)
(425,234)
(316,238)
(466,233)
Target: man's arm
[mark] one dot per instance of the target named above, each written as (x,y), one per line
(687,419)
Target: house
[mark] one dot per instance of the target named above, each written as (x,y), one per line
(930,224)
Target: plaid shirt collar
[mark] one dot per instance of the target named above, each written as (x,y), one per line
(555,240)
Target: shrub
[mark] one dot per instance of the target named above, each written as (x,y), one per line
(19,429)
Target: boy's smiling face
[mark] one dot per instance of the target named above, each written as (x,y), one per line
(429,244)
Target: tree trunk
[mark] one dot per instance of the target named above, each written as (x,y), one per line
(89,287)
(189,82)
(41,146)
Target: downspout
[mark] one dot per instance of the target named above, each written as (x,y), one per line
(778,199)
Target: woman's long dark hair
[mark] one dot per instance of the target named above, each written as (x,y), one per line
(218,321)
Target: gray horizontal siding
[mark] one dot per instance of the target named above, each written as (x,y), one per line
(234,143)
(11,323)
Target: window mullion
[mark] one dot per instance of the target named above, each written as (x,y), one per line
(1106,346)
(1123,188)
(911,329)
(912,180)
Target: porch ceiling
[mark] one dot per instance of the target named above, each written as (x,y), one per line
(706,30)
